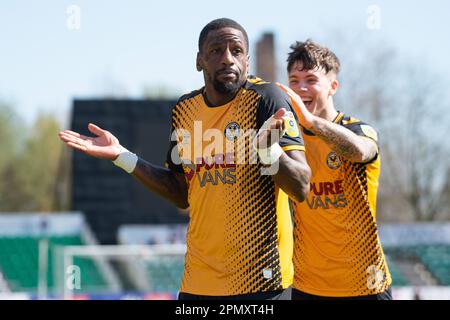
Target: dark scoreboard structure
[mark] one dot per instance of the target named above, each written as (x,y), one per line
(108,196)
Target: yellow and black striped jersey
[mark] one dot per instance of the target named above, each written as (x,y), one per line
(239,237)
(337,251)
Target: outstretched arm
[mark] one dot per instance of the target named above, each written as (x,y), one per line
(164,182)
(341,140)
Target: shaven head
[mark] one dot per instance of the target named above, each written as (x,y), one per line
(219,24)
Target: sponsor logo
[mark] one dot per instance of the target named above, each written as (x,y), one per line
(214,170)
(326,195)
(333,161)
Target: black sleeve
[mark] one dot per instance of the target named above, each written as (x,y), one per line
(365,130)
(273,99)
(173,161)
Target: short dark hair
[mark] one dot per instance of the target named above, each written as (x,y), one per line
(219,24)
(313,56)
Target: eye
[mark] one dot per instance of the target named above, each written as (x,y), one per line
(237,51)
(293,82)
(214,51)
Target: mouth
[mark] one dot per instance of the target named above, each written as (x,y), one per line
(227,75)
(307,102)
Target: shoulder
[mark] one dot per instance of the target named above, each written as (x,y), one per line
(350,121)
(267,90)
(358,126)
(182,101)
(190,95)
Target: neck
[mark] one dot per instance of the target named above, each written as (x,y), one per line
(216,98)
(329,113)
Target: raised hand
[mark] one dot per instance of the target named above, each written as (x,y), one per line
(264,138)
(304,116)
(104,146)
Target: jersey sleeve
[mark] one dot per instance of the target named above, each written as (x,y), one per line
(365,130)
(271,101)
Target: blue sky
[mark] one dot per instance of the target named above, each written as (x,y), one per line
(127,45)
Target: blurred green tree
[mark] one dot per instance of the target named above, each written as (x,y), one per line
(8,134)
(33,166)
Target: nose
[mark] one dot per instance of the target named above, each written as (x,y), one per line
(227,57)
(302,86)
(299,87)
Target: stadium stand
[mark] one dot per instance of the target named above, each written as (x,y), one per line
(165,273)
(20,239)
(398,280)
(419,254)
(436,259)
(19,262)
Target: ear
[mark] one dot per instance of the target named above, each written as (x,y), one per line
(334,86)
(199,62)
(248,64)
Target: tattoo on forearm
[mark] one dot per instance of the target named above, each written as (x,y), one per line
(344,142)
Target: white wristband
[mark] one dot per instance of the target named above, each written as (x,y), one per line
(270,155)
(126,160)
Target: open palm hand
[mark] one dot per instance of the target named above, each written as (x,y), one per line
(104,146)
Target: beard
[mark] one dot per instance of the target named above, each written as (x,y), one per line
(229,87)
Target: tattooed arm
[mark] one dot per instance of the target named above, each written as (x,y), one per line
(343,141)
